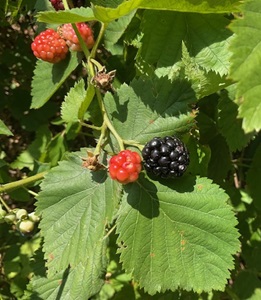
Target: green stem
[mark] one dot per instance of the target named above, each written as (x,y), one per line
(81,41)
(4,204)
(101,138)
(20,183)
(113,131)
(91,126)
(65,4)
(133,143)
(98,40)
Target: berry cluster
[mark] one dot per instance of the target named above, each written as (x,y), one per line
(24,222)
(165,157)
(52,46)
(67,32)
(49,46)
(125,166)
(57,4)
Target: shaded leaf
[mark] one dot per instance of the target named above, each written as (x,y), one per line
(199,157)
(205,36)
(49,77)
(220,162)
(116,29)
(253,175)
(229,125)
(36,151)
(180,234)
(246,63)
(4,129)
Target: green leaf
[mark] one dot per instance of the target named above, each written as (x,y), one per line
(56,149)
(106,14)
(199,6)
(68,284)
(76,205)
(202,82)
(36,151)
(246,63)
(205,36)
(73,101)
(253,176)
(4,129)
(199,157)
(229,125)
(178,235)
(116,29)
(218,168)
(49,77)
(149,108)
(73,15)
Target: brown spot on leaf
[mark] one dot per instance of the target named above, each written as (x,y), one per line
(200,187)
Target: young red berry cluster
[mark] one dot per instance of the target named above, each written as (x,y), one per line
(57,4)
(52,46)
(67,32)
(49,46)
(125,166)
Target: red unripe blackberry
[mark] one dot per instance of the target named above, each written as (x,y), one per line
(67,32)
(57,4)
(49,46)
(125,166)
(165,157)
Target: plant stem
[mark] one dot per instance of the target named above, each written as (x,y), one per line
(101,138)
(101,33)
(20,183)
(113,131)
(91,126)
(133,143)
(4,204)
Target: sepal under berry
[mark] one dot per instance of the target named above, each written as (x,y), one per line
(125,166)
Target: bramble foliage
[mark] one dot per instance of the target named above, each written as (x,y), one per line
(157,68)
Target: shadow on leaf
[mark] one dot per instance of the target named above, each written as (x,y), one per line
(142,196)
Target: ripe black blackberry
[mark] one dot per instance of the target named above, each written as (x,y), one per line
(165,157)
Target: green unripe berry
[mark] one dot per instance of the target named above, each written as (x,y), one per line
(21,214)
(2,215)
(26,226)
(33,217)
(10,218)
